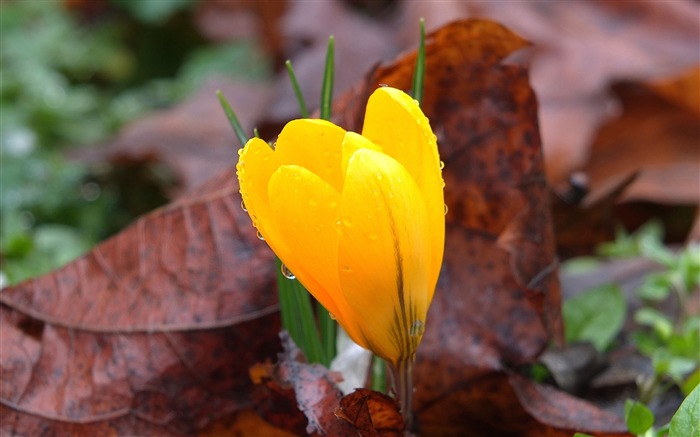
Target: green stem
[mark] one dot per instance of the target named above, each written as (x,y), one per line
(378,374)
(402,375)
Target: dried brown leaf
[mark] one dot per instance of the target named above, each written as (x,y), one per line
(374,414)
(152,332)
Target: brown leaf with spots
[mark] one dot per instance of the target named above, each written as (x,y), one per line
(151,333)
(374,414)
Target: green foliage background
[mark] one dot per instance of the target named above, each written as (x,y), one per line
(69,80)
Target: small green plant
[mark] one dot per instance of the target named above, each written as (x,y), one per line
(670,339)
(595,315)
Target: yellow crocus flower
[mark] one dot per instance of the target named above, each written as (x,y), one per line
(358,219)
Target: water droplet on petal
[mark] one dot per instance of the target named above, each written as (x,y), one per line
(445,209)
(442,165)
(331,316)
(243,206)
(379,176)
(313,202)
(417,328)
(260,236)
(287,273)
(346,269)
(373,236)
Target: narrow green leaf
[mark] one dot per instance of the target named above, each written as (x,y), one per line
(327,327)
(580,434)
(378,374)
(288,311)
(298,316)
(314,349)
(686,421)
(419,72)
(327,89)
(232,119)
(297,90)
(595,315)
(638,417)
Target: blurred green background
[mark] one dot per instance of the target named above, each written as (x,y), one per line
(72,74)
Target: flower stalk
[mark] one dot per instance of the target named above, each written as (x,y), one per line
(402,379)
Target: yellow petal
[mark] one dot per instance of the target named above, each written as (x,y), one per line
(255,165)
(305,209)
(352,143)
(395,122)
(382,253)
(314,145)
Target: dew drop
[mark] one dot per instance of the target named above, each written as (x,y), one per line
(260,236)
(379,176)
(313,202)
(373,236)
(442,165)
(346,269)
(446,209)
(417,328)
(287,273)
(243,206)
(240,151)
(331,316)
(443,183)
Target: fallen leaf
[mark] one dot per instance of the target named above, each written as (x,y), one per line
(582,224)
(683,90)
(152,332)
(654,136)
(294,386)
(372,413)
(194,139)
(226,20)
(243,423)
